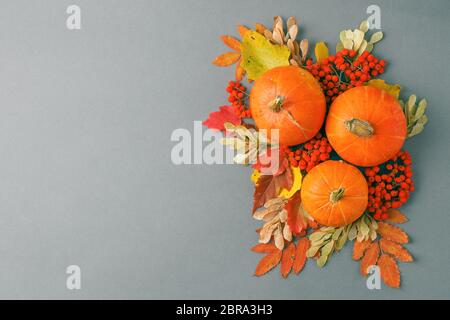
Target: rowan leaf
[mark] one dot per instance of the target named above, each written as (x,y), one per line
(395,216)
(239,73)
(268,262)
(217,119)
(231,43)
(389,270)
(226,59)
(242,30)
(321,51)
(287,260)
(260,55)
(392,233)
(392,89)
(400,253)
(359,248)
(300,255)
(370,257)
(268,187)
(264,248)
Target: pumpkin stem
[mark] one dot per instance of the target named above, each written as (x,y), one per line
(336,195)
(276,104)
(359,127)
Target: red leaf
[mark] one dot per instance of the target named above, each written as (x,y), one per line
(217,119)
(272,165)
(268,187)
(389,271)
(287,260)
(264,248)
(296,219)
(300,255)
(359,248)
(370,257)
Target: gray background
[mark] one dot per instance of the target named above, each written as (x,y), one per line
(85,171)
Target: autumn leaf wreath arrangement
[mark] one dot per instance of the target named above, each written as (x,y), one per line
(342,174)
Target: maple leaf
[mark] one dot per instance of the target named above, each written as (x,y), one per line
(268,262)
(392,233)
(389,270)
(300,254)
(359,248)
(268,187)
(260,55)
(287,260)
(395,216)
(217,119)
(296,219)
(400,253)
(370,257)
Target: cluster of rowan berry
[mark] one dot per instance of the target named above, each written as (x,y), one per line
(237,97)
(390,185)
(344,71)
(311,153)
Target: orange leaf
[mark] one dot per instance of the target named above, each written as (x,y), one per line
(260,28)
(287,260)
(359,248)
(400,253)
(242,30)
(296,218)
(393,233)
(239,71)
(264,248)
(389,271)
(268,187)
(268,263)
(396,216)
(300,255)
(227,59)
(231,43)
(370,257)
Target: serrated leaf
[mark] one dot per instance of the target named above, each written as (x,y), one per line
(359,248)
(268,262)
(377,36)
(389,271)
(370,258)
(300,255)
(395,216)
(396,250)
(287,260)
(392,233)
(259,55)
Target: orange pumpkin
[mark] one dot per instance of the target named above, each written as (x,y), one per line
(366,126)
(291,100)
(334,193)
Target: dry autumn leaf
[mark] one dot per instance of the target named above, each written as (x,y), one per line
(226,59)
(370,258)
(359,248)
(321,51)
(268,187)
(231,42)
(264,248)
(268,262)
(296,220)
(392,233)
(396,250)
(300,255)
(242,30)
(389,271)
(287,260)
(395,216)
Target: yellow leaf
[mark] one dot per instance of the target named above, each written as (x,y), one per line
(259,55)
(392,89)
(321,51)
(255,176)
(296,185)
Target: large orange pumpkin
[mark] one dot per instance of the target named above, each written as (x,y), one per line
(366,126)
(334,193)
(291,100)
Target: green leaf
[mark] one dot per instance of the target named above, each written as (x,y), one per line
(260,55)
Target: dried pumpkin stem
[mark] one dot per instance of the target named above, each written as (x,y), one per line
(276,104)
(336,195)
(359,127)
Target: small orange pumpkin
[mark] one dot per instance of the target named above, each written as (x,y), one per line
(291,100)
(334,193)
(366,126)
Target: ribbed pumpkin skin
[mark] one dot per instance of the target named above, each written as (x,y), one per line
(376,107)
(322,180)
(303,99)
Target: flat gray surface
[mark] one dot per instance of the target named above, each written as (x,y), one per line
(85,171)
